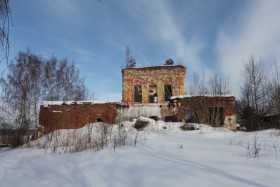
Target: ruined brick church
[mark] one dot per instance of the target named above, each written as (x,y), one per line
(153,84)
(158,88)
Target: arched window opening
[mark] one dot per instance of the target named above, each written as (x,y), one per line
(99,120)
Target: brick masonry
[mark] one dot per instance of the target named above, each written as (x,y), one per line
(73,116)
(201,105)
(154,75)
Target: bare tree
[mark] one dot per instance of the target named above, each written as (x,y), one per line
(217,87)
(74,87)
(4,28)
(31,79)
(49,81)
(198,86)
(21,91)
(275,99)
(62,81)
(254,92)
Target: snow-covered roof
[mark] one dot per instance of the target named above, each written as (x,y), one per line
(201,95)
(47,103)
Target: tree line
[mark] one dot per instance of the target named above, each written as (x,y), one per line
(259,104)
(31,79)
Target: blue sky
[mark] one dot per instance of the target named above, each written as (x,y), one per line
(217,35)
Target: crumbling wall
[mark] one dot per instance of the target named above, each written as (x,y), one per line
(73,116)
(150,76)
(200,106)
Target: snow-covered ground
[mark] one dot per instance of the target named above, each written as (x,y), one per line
(161,157)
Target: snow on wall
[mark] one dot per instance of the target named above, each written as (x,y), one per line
(140,111)
(47,103)
(201,95)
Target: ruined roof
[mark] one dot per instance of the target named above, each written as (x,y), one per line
(154,67)
(200,95)
(47,103)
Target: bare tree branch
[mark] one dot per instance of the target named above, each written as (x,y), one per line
(4,29)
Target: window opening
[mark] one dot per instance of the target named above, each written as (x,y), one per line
(167,91)
(138,93)
(153,93)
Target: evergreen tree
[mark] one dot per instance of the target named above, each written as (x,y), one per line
(129,60)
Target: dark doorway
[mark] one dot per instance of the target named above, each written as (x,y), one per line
(216,116)
(189,115)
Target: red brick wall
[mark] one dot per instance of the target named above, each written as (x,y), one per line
(200,105)
(75,115)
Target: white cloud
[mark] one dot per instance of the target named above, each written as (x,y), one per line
(254,31)
(84,55)
(63,8)
(164,27)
